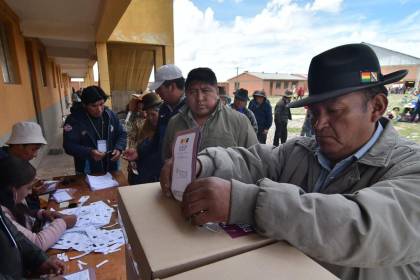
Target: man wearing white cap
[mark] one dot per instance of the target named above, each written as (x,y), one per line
(25,141)
(169,85)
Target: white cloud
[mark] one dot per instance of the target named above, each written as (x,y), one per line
(332,6)
(283,37)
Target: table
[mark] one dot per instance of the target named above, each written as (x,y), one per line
(115,268)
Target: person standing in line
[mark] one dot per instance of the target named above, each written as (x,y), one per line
(282,115)
(239,104)
(263,112)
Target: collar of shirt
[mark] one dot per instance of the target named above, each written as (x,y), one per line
(330,171)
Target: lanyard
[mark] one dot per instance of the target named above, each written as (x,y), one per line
(100,136)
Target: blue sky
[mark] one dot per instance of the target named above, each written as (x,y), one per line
(384,10)
(283,35)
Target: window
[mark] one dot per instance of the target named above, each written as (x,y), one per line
(278,84)
(294,84)
(236,85)
(7,56)
(286,84)
(43,69)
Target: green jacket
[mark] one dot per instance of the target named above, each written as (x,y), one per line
(225,128)
(365,224)
(17,253)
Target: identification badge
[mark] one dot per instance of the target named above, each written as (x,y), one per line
(102,146)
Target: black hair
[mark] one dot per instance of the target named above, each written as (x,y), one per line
(92,94)
(15,172)
(179,82)
(202,74)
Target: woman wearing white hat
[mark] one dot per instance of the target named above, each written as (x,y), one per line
(25,141)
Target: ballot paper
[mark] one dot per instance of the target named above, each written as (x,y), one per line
(50,186)
(101,182)
(185,156)
(62,195)
(86,274)
(86,235)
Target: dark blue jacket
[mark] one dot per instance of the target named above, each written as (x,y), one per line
(80,138)
(148,165)
(150,152)
(263,113)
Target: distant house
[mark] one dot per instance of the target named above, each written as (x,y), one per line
(272,83)
(391,61)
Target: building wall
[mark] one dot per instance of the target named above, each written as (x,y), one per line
(16,99)
(246,81)
(279,87)
(253,83)
(413,71)
(41,103)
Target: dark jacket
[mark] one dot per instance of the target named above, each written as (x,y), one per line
(282,112)
(17,253)
(152,150)
(248,113)
(148,163)
(263,113)
(80,138)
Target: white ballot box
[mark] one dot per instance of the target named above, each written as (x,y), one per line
(278,261)
(162,243)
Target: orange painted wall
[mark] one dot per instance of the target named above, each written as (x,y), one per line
(16,99)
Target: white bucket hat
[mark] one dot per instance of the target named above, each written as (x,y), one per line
(165,73)
(26,133)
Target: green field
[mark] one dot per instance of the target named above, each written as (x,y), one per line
(409,130)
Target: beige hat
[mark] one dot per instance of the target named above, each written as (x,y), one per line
(26,133)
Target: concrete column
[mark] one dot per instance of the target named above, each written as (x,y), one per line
(103,71)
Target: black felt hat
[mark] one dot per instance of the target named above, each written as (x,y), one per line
(344,69)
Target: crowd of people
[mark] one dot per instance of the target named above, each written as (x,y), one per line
(345,193)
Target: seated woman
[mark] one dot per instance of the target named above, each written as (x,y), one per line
(148,163)
(16,177)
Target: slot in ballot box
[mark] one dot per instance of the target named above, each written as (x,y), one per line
(278,261)
(162,243)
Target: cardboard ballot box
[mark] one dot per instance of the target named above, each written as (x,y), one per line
(274,262)
(162,243)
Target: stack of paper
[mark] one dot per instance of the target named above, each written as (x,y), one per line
(101,182)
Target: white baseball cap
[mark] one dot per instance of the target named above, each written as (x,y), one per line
(165,73)
(26,133)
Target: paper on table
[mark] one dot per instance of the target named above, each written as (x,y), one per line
(62,195)
(87,274)
(184,155)
(101,182)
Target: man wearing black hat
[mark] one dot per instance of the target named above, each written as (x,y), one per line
(282,115)
(349,198)
(219,125)
(93,134)
(239,104)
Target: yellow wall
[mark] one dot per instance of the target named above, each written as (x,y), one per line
(16,99)
(147,22)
